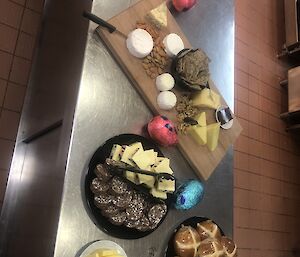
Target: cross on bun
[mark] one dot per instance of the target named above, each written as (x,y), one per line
(229,246)
(186,242)
(208,229)
(211,247)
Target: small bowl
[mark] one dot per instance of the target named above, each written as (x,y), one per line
(170,251)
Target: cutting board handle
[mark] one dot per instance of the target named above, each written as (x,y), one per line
(99,21)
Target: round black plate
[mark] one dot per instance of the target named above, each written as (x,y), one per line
(170,251)
(99,157)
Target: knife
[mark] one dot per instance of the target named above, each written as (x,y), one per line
(103,23)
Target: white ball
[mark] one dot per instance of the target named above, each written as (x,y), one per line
(166,100)
(139,43)
(173,44)
(164,82)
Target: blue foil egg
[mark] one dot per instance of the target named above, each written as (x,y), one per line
(188,195)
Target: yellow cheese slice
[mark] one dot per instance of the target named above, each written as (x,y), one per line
(144,159)
(104,253)
(207,98)
(158,194)
(166,185)
(201,119)
(147,180)
(131,176)
(213,131)
(163,166)
(158,16)
(115,153)
(129,151)
(199,134)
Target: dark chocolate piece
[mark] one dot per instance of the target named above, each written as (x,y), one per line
(102,201)
(118,186)
(118,219)
(99,187)
(102,173)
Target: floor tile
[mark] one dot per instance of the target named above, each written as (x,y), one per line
(8,38)
(5,64)
(10,13)
(25,46)
(20,70)
(9,123)
(30,22)
(36,5)
(3,85)
(14,97)
(6,152)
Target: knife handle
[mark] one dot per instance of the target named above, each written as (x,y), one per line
(99,21)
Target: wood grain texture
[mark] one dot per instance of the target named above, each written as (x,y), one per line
(200,158)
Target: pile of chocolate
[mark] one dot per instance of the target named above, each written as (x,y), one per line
(122,204)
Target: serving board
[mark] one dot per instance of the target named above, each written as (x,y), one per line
(200,158)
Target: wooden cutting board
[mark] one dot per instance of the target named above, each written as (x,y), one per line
(200,158)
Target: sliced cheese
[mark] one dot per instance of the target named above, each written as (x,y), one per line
(158,194)
(129,151)
(207,98)
(144,159)
(158,16)
(166,185)
(201,119)
(163,166)
(131,176)
(147,180)
(213,131)
(116,152)
(198,133)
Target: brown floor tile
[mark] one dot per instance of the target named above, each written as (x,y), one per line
(6,151)
(20,71)
(3,85)
(10,13)
(9,123)
(30,22)
(5,64)
(241,161)
(25,46)
(14,97)
(8,38)
(241,78)
(242,94)
(3,180)
(36,5)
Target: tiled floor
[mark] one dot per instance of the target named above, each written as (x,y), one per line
(19,23)
(266,174)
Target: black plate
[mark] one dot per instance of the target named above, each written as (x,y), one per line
(99,157)
(170,251)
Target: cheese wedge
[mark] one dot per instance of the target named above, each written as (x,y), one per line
(213,131)
(207,98)
(198,133)
(163,166)
(158,194)
(144,159)
(166,185)
(158,16)
(115,153)
(129,151)
(201,119)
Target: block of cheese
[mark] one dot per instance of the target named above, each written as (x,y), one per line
(213,131)
(158,194)
(129,151)
(116,152)
(163,165)
(144,159)
(131,176)
(147,180)
(158,16)
(166,185)
(139,43)
(207,98)
(198,133)
(201,119)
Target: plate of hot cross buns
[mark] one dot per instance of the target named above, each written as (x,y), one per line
(200,237)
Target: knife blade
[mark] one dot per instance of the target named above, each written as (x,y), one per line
(103,23)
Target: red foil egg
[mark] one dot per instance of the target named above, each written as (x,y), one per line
(162,131)
(183,5)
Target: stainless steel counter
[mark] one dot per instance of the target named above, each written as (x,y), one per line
(108,105)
